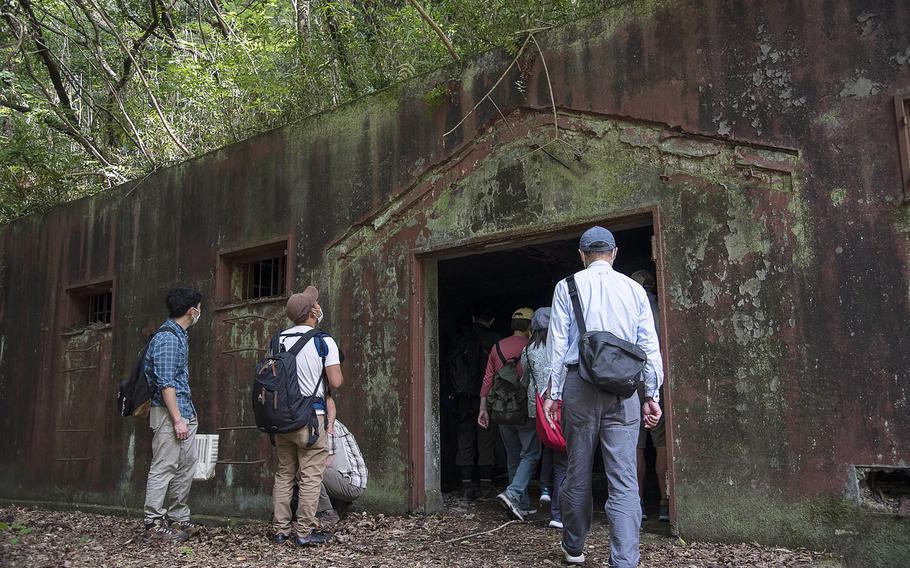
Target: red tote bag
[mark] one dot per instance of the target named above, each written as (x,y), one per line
(550,437)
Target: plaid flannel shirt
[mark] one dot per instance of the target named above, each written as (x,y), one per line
(166,367)
(351,464)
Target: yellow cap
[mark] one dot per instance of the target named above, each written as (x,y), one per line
(523,314)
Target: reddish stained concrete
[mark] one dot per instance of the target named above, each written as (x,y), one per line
(691,67)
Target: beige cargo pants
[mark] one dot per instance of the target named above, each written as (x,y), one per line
(171,472)
(294,456)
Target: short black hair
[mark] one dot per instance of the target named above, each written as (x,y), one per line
(179,300)
(521,324)
(483,312)
(597,253)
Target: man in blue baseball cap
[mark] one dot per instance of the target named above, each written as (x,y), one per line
(610,302)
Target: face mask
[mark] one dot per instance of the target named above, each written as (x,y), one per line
(196,316)
(320,316)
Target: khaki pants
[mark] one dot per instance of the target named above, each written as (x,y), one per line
(171,472)
(294,456)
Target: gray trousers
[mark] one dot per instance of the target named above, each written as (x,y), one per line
(591,416)
(172,468)
(337,492)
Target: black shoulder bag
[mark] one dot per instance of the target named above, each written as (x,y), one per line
(611,364)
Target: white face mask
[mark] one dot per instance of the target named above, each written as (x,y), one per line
(320,316)
(196,317)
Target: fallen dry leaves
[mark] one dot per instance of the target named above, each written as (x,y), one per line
(37,538)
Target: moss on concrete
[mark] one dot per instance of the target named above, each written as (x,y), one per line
(715,511)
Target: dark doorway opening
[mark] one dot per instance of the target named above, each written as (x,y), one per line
(502,281)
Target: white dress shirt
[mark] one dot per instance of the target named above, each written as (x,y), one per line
(610,302)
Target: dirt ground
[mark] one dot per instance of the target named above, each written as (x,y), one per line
(38,538)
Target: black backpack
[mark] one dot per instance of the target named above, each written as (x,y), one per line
(134,397)
(508,398)
(465,371)
(278,404)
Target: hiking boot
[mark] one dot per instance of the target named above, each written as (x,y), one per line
(572,558)
(664,514)
(315,538)
(328,518)
(486,489)
(470,492)
(190,528)
(281,538)
(159,530)
(544,497)
(555,524)
(510,506)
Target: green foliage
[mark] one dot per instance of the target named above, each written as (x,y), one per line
(220,71)
(18,529)
(437,96)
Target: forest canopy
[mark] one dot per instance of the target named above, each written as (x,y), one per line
(96,92)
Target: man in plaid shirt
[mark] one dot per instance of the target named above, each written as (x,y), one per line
(172,417)
(345,477)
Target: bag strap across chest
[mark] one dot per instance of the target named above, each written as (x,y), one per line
(576,306)
(276,347)
(322,348)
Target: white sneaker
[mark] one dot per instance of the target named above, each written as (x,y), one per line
(554,524)
(571,559)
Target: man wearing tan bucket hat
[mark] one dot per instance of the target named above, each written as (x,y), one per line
(318,358)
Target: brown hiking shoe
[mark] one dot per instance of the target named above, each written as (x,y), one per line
(190,528)
(158,530)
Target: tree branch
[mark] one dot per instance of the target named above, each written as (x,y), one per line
(8,102)
(472,535)
(493,88)
(222,25)
(44,53)
(137,45)
(18,30)
(148,89)
(442,35)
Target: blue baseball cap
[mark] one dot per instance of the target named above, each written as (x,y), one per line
(596,239)
(541,319)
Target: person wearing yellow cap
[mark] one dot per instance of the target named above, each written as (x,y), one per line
(520,435)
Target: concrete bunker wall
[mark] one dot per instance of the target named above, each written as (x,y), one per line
(732,229)
(768,150)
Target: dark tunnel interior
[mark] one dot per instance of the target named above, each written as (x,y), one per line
(504,281)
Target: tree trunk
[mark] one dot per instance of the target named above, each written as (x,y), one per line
(303,20)
(341,53)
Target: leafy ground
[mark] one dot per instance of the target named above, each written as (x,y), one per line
(39,538)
